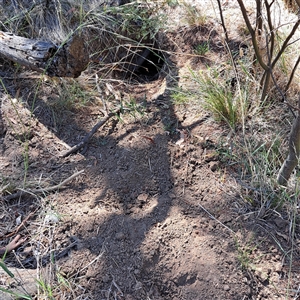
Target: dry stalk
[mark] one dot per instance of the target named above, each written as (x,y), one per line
(42,190)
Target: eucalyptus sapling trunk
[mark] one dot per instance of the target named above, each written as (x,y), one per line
(294,150)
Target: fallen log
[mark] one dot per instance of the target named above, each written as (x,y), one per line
(66,60)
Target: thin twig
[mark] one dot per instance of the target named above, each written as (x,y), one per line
(282,94)
(223,22)
(186,174)
(90,134)
(286,43)
(4,188)
(114,283)
(94,260)
(19,227)
(42,190)
(292,75)
(211,216)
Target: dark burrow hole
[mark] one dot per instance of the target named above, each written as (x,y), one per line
(145,65)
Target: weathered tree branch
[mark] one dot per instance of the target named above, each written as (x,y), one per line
(67,60)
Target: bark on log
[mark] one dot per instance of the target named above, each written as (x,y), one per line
(67,60)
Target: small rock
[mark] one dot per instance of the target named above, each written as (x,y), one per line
(261,273)
(226,287)
(120,236)
(58,245)
(277,267)
(214,166)
(34,140)
(225,218)
(28,250)
(51,218)
(138,285)
(142,197)
(92,204)
(245,280)
(85,210)
(212,224)
(280,223)
(48,136)
(90,273)
(172,195)
(105,279)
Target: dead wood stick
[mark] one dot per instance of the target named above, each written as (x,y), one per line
(66,60)
(42,190)
(10,234)
(90,134)
(15,243)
